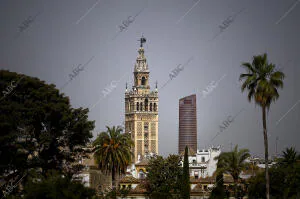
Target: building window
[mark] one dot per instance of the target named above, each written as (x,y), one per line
(146,127)
(141,106)
(146,104)
(194,163)
(150,106)
(129,186)
(143,81)
(203,159)
(196,174)
(187,101)
(123,186)
(154,107)
(141,174)
(137,106)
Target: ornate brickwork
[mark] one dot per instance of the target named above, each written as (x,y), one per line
(146,137)
(139,130)
(153,130)
(145,117)
(139,147)
(153,146)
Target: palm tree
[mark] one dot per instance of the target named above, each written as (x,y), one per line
(233,163)
(289,156)
(113,151)
(262,81)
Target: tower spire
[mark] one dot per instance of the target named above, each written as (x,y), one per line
(141,62)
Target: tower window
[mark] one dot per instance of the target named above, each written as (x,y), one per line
(143,81)
(146,104)
(141,105)
(154,107)
(146,126)
(150,106)
(137,106)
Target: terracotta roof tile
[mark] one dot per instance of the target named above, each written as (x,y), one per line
(197,188)
(144,162)
(140,188)
(129,179)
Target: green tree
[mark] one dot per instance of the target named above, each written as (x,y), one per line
(233,163)
(164,177)
(262,81)
(290,167)
(38,127)
(289,157)
(284,179)
(218,190)
(56,186)
(185,191)
(113,151)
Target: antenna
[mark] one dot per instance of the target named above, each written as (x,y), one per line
(276,144)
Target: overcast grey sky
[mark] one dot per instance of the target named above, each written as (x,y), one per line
(57,36)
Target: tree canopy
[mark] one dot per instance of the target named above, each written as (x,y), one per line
(113,151)
(54,186)
(232,163)
(39,128)
(284,178)
(262,80)
(164,176)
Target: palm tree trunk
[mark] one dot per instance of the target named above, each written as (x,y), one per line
(266,152)
(113,182)
(113,178)
(235,188)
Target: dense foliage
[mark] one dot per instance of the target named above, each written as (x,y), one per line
(233,163)
(218,191)
(164,177)
(39,129)
(284,178)
(113,151)
(56,186)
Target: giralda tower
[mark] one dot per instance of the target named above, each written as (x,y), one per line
(141,110)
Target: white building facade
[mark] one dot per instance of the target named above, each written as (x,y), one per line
(202,163)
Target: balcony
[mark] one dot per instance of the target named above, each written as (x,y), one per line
(198,165)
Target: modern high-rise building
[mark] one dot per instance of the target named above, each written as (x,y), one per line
(187,123)
(141,110)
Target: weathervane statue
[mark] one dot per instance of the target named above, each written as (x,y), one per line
(142,40)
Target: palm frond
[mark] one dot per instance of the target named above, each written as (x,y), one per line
(262,81)
(232,162)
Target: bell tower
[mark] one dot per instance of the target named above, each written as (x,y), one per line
(141,110)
